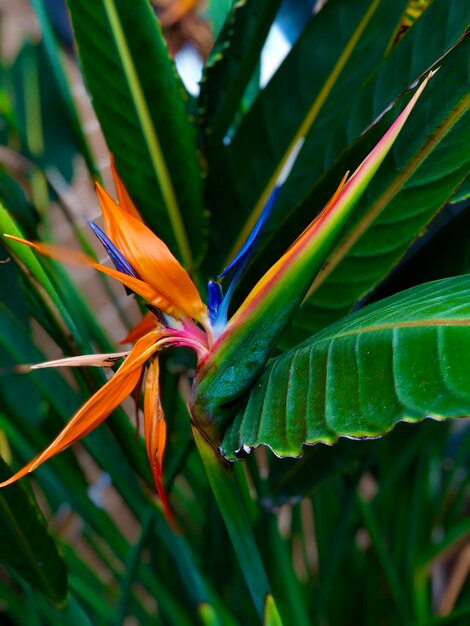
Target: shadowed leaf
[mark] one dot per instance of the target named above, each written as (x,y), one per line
(25,544)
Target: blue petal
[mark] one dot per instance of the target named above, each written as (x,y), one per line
(248,246)
(120,262)
(240,262)
(215,297)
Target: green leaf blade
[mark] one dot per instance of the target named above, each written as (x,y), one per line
(428,163)
(390,362)
(25,544)
(53,53)
(139,102)
(292,102)
(231,64)
(354,106)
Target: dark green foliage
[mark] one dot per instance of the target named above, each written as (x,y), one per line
(46,135)
(355,532)
(231,64)
(25,544)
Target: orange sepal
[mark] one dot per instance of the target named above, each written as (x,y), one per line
(151,258)
(124,199)
(99,406)
(147,323)
(155,434)
(75,257)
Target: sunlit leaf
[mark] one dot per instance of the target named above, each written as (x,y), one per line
(402,359)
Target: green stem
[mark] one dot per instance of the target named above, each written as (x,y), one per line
(233,511)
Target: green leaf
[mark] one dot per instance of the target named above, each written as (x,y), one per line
(429,161)
(402,359)
(354,106)
(232,63)
(216,13)
(314,77)
(53,54)
(271,614)
(292,479)
(132,564)
(462,193)
(32,265)
(74,615)
(389,567)
(445,251)
(25,544)
(12,195)
(232,508)
(139,102)
(46,133)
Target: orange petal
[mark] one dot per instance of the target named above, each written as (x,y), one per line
(147,323)
(155,433)
(151,258)
(124,199)
(99,406)
(75,257)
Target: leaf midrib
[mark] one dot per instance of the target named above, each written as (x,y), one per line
(148,131)
(379,205)
(10,518)
(394,325)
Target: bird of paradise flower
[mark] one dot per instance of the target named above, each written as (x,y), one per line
(178,317)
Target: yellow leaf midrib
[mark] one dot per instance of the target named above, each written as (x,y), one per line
(304,126)
(387,195)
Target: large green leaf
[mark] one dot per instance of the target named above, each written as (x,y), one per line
(241,177)
(25,544)
(445,251)
(356,100)
(59,77)
(354,106)
(402,359)
(429,161)
(140,104)
(47,136)
(231,64)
